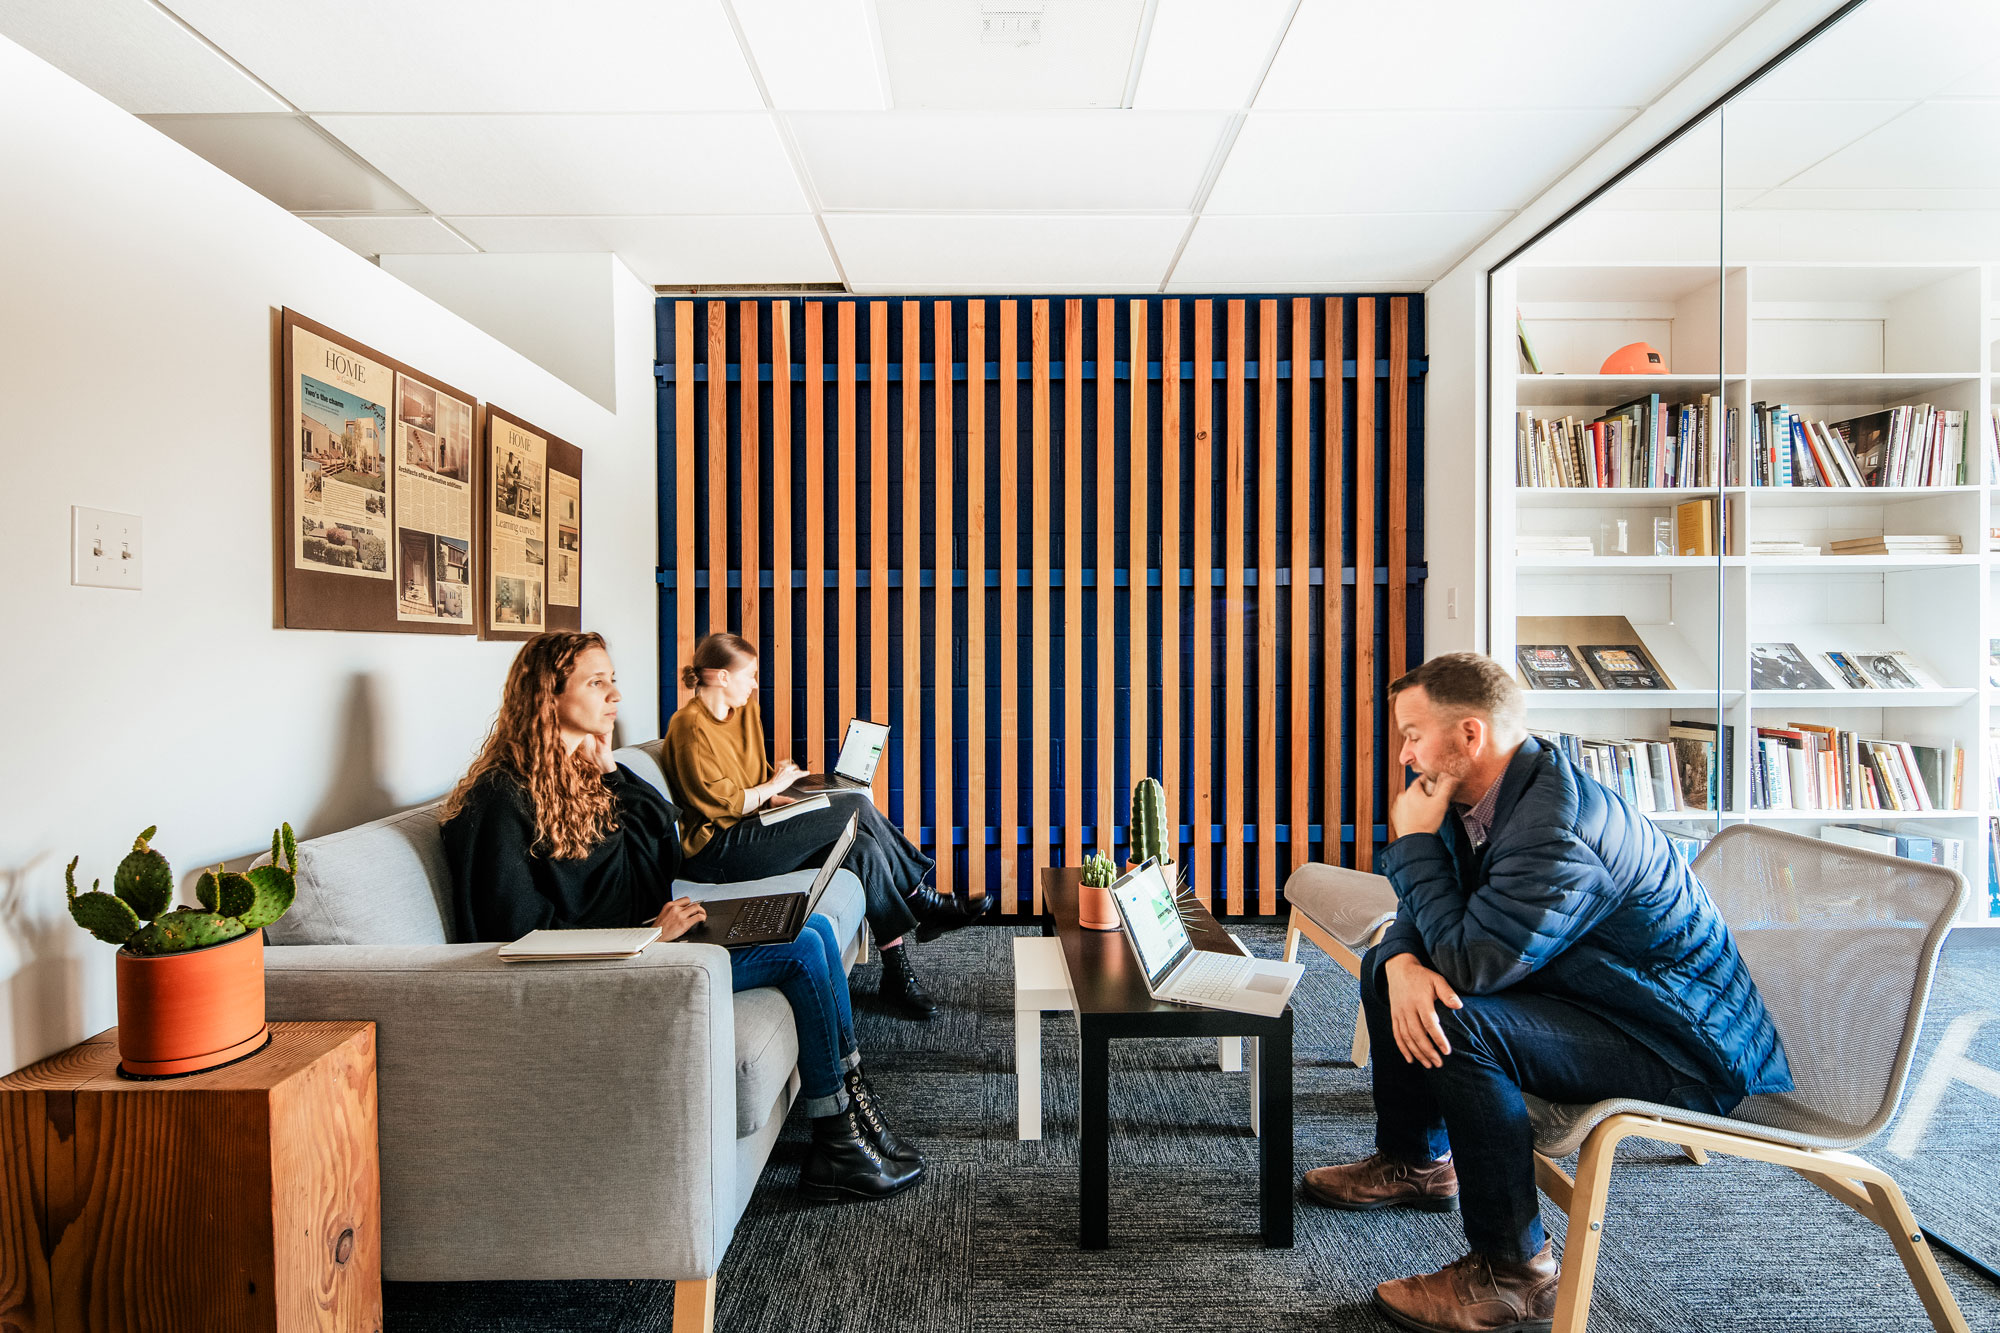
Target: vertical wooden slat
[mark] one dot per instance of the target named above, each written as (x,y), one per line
(1201,846)
(1171,770)
(878,530)
(1039,843)
(749,523)
(1267,606)
(813,669)
(781,532)
(684,394)
(1072,730)
(1333,591)
(1233,737)
(1364,583)
(943,630)
(1107,592)
(718,467)
(847,643)
(1137,585)
(912,727)
(1399,487)
(1298,735)
(1010,608)
(975,580)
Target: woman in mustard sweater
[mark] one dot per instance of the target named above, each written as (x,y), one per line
(715,761)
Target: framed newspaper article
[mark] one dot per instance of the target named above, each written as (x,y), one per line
(532,515)
(375,467)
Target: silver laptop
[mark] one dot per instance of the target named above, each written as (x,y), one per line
(860,753)
(1177,971)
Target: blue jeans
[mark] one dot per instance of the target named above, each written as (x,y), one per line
(1502,1045)
(809,974)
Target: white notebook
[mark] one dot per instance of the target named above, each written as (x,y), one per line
(541,946)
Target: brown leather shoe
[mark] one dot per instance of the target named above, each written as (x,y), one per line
(1476,1295)
(1383,1182)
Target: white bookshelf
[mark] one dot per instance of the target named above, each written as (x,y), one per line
(1830,341)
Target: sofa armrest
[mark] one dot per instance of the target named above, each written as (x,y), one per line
(540,1120)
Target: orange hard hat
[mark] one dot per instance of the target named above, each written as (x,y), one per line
(1634,359)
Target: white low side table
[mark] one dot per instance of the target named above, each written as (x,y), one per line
(1041,983)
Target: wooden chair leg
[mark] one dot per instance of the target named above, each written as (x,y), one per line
(1358,1052)
(1292,938)
(1695,1155)
(1916,1256)
(694,1305)
(1586,1231)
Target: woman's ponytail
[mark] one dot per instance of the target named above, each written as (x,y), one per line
(720,651)
(690,677)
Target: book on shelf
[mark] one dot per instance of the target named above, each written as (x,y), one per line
(1553,544)
(1911,445)
(1899,544)
(1781,666)
(1550,666)
(1782,546)
(1695,526)
(1811,766)
(1785,666)
(1647,773)
(1528,358)
(1912,842)
(1584,652)
(1705,784)
(1993,668)
(1642,443)
(1623,666)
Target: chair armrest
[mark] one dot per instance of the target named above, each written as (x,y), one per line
(555,1119)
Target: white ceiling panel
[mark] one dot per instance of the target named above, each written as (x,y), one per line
(1208,54)
(1640,199)
(1941,143)
(1905,49)
(673,251)
(1049,161)
(1935,198)
(581,165)
(394,236)
(497,56)
(1485,53)
(1403,161)
(1981,82)
(1016,54)
(287,161)
(135,55)
(815,55)
(1283,253)
(963,253)
(1762,144)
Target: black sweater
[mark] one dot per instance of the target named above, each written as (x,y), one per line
(501,889)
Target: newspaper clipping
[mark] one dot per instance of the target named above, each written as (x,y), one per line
(519,544)
(565,525)
(433,505)
(339,465)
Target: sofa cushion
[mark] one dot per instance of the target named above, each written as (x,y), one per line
(380,883)
(767,1049)
(645,761)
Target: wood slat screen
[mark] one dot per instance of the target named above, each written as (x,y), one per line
(1084,561)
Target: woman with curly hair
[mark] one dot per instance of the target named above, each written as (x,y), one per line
(547,831)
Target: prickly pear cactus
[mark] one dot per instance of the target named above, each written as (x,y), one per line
(1098,871)
(1148,830)
(144,879)
(273,889)
(183,929)
(104,915)
(225,892)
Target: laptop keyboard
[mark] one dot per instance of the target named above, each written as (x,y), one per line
(1210,976)
(762,916)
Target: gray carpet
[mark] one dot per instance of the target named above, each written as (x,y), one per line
(988,1242)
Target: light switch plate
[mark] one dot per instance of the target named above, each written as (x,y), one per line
(106,549)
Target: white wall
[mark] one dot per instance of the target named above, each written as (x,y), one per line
(139,290)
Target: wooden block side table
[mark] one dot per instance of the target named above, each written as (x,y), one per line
(243,1198)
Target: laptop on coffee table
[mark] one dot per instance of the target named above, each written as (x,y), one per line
(1178,972)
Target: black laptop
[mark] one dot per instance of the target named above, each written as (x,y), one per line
(769,918)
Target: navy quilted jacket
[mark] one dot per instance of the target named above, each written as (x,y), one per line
(1579,895)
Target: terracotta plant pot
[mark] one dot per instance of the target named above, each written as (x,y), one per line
(180,1013)
(1094,909)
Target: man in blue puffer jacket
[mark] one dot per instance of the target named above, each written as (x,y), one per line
(1547,940)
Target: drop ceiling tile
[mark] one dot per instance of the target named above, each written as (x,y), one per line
(1403,161)
(497,56)
(1208,54)
(1410,250)
(1940,144)
(1037,161)
(394,236)
(1007,54)
(672,251)
(980,253)
(815,55)
(581,165)
(1757,145)
(1908,200)
(1478,53)
(1905,49)
(287,161)
(132,53)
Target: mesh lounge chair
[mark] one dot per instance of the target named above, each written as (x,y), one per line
(1843,945)
(1345,913)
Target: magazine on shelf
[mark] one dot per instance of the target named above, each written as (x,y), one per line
(1781,666)
(1894,670)
(1550,666)
(1623,666)
(1841,667)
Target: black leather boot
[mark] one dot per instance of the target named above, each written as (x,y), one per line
(875,1125)
(845,1165)
(938,912)
(900,987)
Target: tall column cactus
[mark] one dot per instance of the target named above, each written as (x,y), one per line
(1148,834)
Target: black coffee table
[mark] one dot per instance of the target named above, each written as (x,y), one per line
(1112,1002)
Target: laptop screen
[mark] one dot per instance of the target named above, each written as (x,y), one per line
(862,750)
(833,860)
(1146,901)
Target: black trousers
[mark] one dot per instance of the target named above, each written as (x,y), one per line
(888,866)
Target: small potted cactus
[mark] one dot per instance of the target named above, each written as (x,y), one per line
(1094,909)
(190,980)
(1149,834)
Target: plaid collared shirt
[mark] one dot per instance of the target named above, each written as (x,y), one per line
(1479,818)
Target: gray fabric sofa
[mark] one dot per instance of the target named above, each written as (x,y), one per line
(542,1120)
